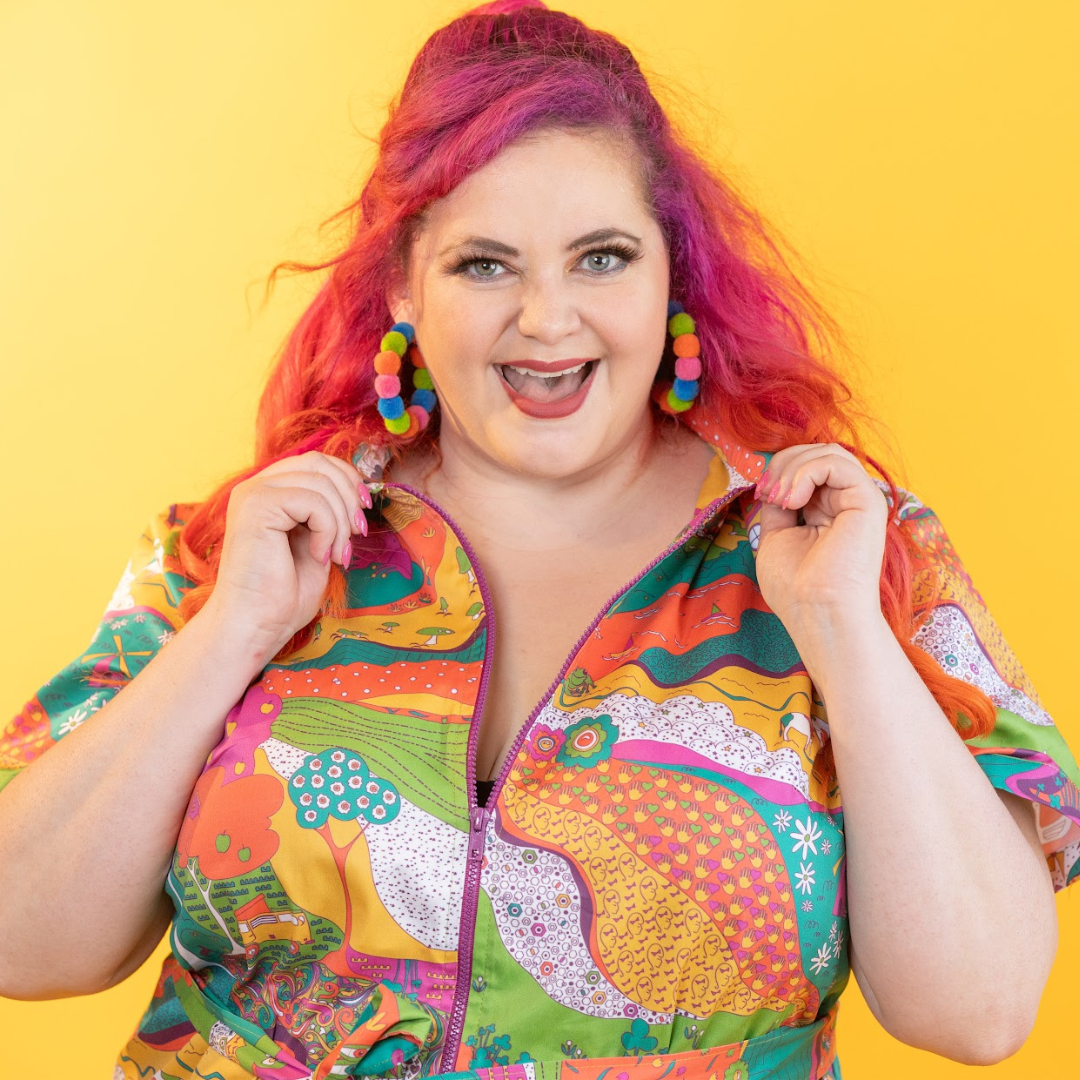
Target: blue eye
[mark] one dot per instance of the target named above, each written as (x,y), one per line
(624,252)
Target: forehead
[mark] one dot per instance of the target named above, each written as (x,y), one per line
(544,189)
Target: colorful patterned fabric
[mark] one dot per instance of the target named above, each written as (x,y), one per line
(656,886)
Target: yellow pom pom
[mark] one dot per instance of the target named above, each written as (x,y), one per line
(399,425)
(395,341)
(678,324)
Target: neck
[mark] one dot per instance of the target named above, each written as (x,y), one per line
(536,512)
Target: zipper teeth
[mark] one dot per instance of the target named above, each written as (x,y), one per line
(467,922)
(472,877)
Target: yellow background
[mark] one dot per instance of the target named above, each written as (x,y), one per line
(159,159)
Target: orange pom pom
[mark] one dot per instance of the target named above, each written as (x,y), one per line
(687,345)
(388,363)
(415,358)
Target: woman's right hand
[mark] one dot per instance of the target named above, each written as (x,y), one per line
(283,527)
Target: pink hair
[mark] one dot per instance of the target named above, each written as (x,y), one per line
(499,72)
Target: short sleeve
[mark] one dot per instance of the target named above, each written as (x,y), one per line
(140,618)
(1025,753)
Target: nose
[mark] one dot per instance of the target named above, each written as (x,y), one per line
(548,311)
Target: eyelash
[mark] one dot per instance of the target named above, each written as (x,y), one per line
(624,251)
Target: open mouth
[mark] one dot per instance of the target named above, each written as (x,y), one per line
(544,387)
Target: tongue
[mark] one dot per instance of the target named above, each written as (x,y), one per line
(537,388)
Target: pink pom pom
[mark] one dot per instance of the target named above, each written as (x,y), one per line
(421,414)
(387,386)
(688,367)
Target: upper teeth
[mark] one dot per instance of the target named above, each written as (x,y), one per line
(546,374)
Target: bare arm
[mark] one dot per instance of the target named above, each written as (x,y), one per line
(948,889)
(87,831)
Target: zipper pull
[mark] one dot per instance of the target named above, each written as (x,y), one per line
(478,819)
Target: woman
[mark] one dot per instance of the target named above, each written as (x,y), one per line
(708,615)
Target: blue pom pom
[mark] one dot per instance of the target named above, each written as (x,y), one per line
(425,399)
(685,389)
(390,408)
(673,308)
(406,329)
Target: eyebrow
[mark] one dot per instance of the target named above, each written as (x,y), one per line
(499,248)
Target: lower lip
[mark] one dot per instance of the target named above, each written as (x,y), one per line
(550,410)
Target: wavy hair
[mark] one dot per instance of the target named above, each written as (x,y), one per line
(499,72)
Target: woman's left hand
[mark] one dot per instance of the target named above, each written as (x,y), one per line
(827,571)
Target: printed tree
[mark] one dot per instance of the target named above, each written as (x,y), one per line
(337,783)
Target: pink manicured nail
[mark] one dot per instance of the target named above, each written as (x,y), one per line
(365,495)
(362,523)
(764,479)
(326,557)
(346,555)
(773,490)
(359,520)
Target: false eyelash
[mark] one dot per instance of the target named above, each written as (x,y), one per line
(623,251)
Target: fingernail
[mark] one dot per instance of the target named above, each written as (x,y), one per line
(346,555)
(787,499)
(326,557)
(362,523)
(773,490)
(359,519)
(764,478)
(365,495)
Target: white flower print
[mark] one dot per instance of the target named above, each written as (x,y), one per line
(118,624)
(838,947)
(822,960)
(834,933)
(808,832)
(807,905)
(140,617)
(805,877)
(826,846)
(73,721)
(165,637)
(782,821)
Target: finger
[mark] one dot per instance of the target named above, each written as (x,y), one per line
(834,482)
(324,484)
(283,508)
(349,483)
(342,475)
(784,461)
(353,478)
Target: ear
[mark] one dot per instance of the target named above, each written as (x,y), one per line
(399,299)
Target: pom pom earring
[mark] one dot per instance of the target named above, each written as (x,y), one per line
(398,343)
(681,394)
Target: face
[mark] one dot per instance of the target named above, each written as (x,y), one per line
(538,289)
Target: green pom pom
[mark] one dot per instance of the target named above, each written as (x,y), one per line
(399,425)
(394,341)
(677,404)
(677,324)
(422,380)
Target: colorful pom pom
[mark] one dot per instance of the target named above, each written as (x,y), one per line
(414,357)
(387,386)
(387,363)
(680,323)
(391,408)
(421,379)
(688,368)
(398,425)
(683,390)
(405,329)
(673,308)
(422,415)
(395,341)
(686,345)
(425,399)
(676,404)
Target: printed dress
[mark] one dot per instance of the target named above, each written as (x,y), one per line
(655,887)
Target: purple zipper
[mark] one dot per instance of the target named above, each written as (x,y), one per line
(479,816)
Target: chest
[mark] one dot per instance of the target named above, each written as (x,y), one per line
(543,607)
